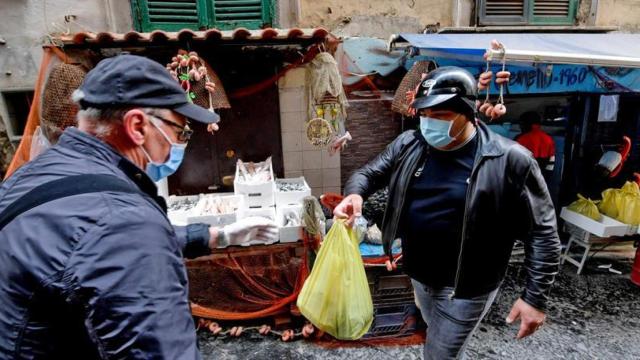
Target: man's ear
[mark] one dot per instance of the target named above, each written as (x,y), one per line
(135,126)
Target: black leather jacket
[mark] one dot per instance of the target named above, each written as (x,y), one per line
(507,199)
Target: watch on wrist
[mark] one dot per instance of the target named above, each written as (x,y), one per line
(222,238)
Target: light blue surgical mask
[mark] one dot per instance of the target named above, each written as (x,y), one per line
(436,131)
(159,171)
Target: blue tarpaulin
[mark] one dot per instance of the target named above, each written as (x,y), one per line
(467,50)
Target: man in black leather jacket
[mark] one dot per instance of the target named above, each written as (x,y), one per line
(459,196)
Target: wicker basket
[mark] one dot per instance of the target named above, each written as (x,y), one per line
(410,82)
(58,110)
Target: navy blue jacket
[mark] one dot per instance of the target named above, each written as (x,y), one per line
(93,276)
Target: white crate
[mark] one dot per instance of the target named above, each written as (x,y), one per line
(288,234)
(256,195)
(221,219)
(292,197)
(606,227)
(266,212)
(179,217)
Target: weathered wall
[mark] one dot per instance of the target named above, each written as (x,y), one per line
(372,125)
(25,24)
(622,13)
(376,18)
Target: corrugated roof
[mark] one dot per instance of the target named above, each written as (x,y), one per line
(158,36)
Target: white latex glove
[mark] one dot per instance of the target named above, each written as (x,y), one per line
(247,229)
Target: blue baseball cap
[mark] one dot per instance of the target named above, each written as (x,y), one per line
(130,80)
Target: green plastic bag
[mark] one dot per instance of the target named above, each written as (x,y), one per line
(336,296)
(586,207)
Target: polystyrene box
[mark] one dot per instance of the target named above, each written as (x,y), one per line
(256,195)
(292,197)
(606,227)
(237,203)
(288,234)
(179,217)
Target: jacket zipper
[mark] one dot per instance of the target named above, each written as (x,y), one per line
(421,159)
(476,164)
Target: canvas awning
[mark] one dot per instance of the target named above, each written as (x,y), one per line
(543,63)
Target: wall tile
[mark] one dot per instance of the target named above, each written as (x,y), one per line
(291,141)
(313,177)
(292,121)
(293,173)
(292,160)
(311,160)
(331,177)
(329,161)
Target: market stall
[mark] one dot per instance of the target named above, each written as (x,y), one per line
(585,89)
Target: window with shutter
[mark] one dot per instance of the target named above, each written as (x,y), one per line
(175,15)
(527,12)
(557,12)
(251,14)
(171,15)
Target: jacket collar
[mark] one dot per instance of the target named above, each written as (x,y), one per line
(490,143)
(79,141)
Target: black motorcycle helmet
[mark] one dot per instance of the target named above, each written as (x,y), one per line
(447,87)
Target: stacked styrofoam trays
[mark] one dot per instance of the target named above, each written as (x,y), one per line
(185,204)
(256,195)
(265,212)
(289,234)
(606,227)
(291,191)
(236,203)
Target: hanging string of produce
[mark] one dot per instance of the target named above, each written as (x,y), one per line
(484,83)
(190,71)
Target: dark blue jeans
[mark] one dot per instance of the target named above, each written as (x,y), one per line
(450,322)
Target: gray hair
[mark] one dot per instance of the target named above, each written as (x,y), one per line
(101,122)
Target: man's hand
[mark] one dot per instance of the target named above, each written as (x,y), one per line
(530,318)
(244,230)
(349,208)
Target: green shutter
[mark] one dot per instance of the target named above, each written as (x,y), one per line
(553,12)
(250,14)
(527,12)
(172,15)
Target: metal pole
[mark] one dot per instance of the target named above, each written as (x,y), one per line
(550,57)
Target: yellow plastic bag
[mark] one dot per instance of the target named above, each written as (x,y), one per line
(629,210)
(586,207)
(631,187)
(611,202)
(336,296)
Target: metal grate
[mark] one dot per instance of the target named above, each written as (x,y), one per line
(238,10)
(505,7)
(177,11)
(553,8)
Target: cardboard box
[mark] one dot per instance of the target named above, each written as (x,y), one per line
(292,197)
(288,234)
(606,227)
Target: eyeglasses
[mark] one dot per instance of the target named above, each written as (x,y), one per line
(185,132)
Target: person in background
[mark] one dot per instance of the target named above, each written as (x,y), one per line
(538,142)
(459,196)
(90,266)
